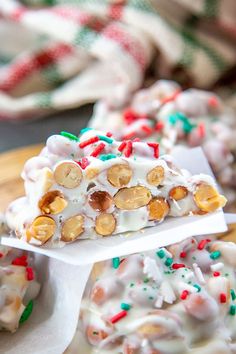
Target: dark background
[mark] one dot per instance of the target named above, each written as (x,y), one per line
(13,135)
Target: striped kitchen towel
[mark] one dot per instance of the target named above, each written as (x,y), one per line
(60,54)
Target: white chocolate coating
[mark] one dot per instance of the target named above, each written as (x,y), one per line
(95,192)
(161,319)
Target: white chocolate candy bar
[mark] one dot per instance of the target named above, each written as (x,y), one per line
(173,117)
(17,287)
(95,186)
(156,302)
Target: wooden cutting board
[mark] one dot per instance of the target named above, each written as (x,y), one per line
(11,184)
(11,164)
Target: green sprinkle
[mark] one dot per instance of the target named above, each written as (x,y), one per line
(232,310)
(146,280)
(233,295)
(151,297)
(168,262)
(27,312)
(183,276)
(125,306)
(197,287)
(145,289)
(107,157)
(226,274)
(95,333)
(131,285)
(189,282)
(194,258)
(106,139)
(84,130)
(215,255)
(161,254)
(116,262)
(69,136)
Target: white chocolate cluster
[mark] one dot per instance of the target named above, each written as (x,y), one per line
(95,186)
(18,287)
(173,117)
(175,300)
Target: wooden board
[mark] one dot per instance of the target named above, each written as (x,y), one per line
(11,184)
(11,164)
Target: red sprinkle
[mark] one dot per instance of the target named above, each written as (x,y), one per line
(84,162)
(146,129)
(108,134)
(178,265)
(155,147)
(183,254)
(216,274)
(128,149)
(184,295)
(130,116)
(171,97)
(213,101)
(122,146)
(129,136)
(97,150)
(159,126)
(1,255)
(136,140)
(89,142)
(20,261)
(29,273)
(202,244)
(201,130)
(223,298)
(118,316)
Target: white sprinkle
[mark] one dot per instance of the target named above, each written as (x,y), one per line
(144,343)
(167,292)
(198,274)
(159,301)
(217,266)
(152,270)
(176,204)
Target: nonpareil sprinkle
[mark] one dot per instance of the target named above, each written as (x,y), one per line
(27,312)
(118,316)
(106,139)
(168,262)
(232,310)
(215,255)
(233,295)
(161,254)
(197,287)
(125,306)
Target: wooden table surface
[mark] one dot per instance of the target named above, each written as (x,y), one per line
(11,184)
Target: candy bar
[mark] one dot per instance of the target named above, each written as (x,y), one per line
(95,186)
(18,288)
(175,300)
(166,114)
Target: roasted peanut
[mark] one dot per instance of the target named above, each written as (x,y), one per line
(72,228)
(95,335)
(100,200)
(68,175)
(98,295)
(152,330)
(47,179)
(42,229)
(158,208)
(91,173)
(119,175)
(207,198)
(178,193)
(105,224)
(132,198)
(52,202)
(156,176)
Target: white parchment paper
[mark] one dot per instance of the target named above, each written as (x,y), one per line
(172,230)
(52,324)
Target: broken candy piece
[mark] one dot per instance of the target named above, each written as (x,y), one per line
(101,187)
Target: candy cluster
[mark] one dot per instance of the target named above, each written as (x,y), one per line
(174,300)
(95,186)
(170,116)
